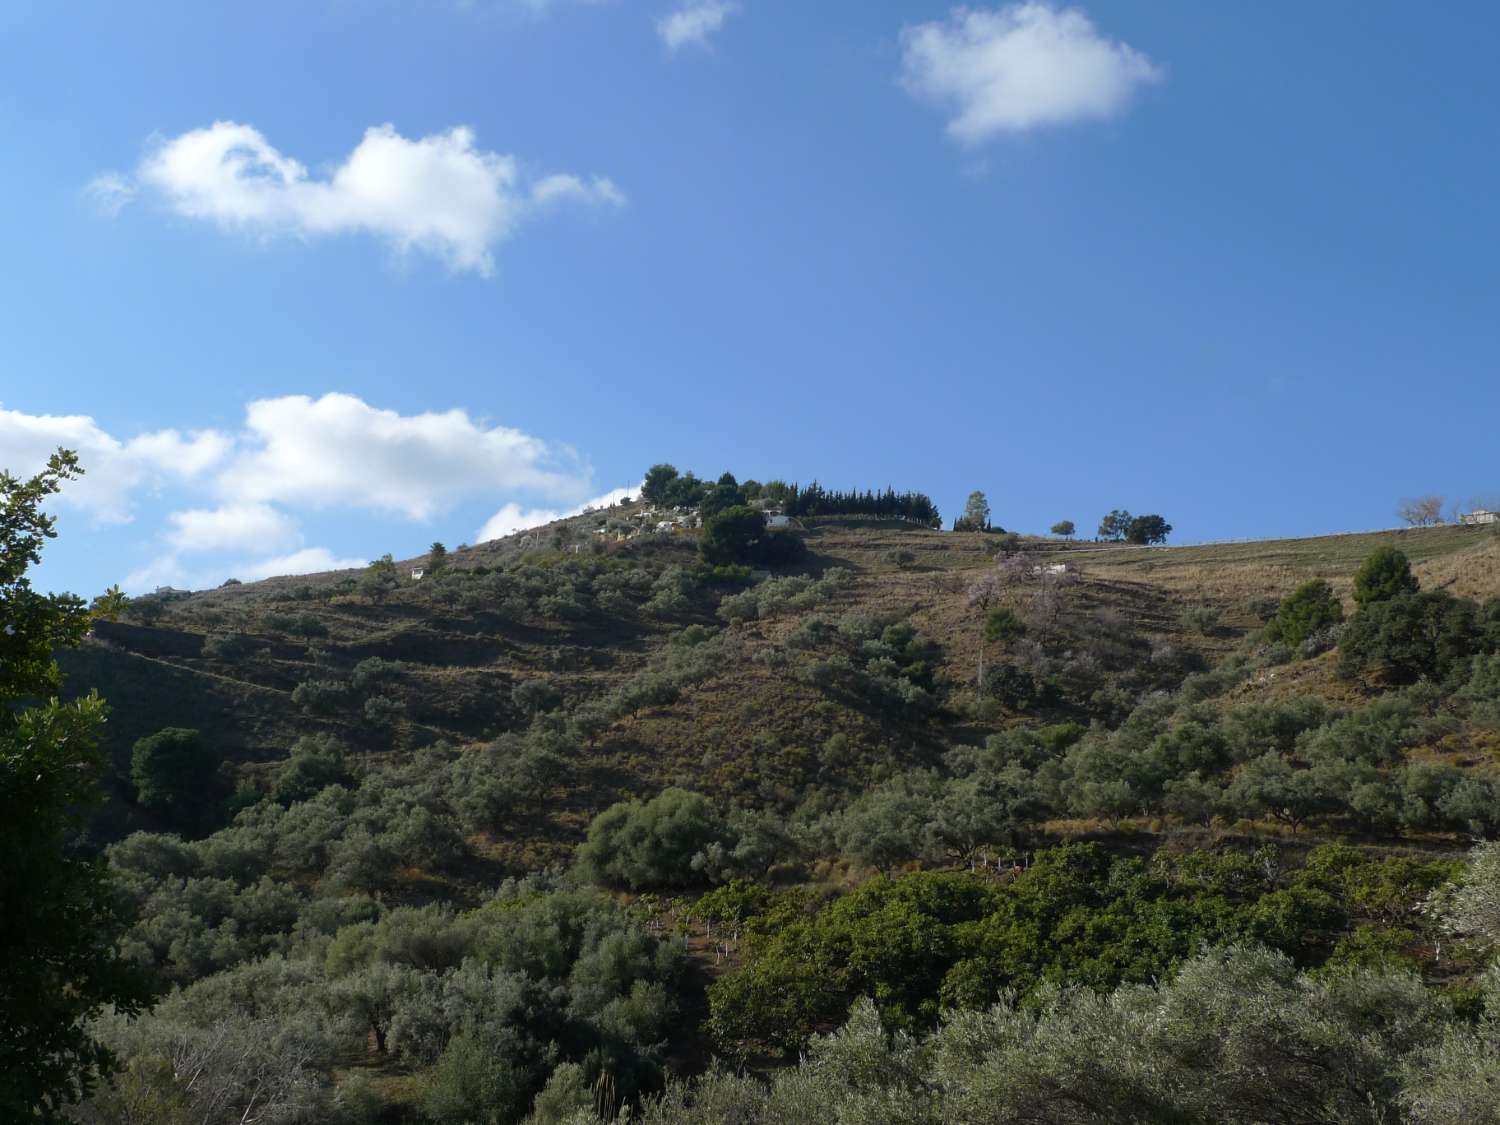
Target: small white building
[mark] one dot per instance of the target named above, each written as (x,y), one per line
(1478,517)
(418,573)
(781,523)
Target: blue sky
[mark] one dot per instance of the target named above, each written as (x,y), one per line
(1230,263)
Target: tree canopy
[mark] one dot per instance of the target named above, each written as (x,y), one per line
(1385,574)
(59,965)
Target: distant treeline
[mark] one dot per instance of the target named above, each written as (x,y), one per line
(815,500)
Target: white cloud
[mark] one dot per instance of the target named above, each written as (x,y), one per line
(1020,67)
(338,451)
(439,194)
(294,455)
(113,470)
(109,193)
(692,23)
(512,517)
(234,527)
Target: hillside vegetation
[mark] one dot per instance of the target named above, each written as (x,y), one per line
(978,827)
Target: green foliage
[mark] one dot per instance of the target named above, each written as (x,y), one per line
(658,479)
(976,515)
(315,763)
(1004,625)
(60,914)
(654,843)
(1384,575)
(1236,1036)
(930,941)
(1143,530)
(173,772)
(1306,611)
(1115,525)
(739,535)
(1406,637)
(1066,529)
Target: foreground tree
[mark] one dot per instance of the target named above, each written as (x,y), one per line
(61,918)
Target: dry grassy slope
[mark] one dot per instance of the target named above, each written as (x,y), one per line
(745,731)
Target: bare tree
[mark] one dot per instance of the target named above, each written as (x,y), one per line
(984,592)
(245,1071)
(1421,511)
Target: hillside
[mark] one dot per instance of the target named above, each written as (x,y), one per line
(583,802)
(527,610)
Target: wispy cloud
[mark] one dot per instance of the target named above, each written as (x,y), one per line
(1020,67)
(694,22)
(109,194)
(440,194)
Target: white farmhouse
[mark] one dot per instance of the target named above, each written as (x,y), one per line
(1478,517)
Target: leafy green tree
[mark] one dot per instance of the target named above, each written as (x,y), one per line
(653,843)
(1308,609)
(316,762)
(724,495)
(1384,575)
(977,511)
(1409,636)
(173,773)
(1115,525)
(379,579)
(437,558)
(1145,530)
(732,536)
(658,479)
(60,915)
(1064,528)
(889,826)
(109,605)
(775,491)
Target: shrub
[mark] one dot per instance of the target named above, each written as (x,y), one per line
(173,772)
(1408,636)
(1384,575)
(228,647)
(316,762)
(651,844)
(535,697)
(1307,610)
(321,696)
(1201,619)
